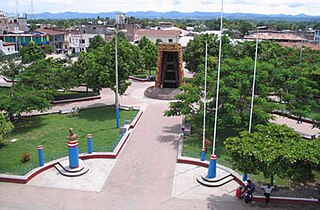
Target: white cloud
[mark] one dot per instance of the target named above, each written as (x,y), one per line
(310,7)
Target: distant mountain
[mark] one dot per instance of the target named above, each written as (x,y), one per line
(178,15)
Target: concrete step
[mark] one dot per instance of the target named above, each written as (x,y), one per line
(64,169)
(216,182)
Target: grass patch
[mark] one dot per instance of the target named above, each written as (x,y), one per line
(193,144)
(51,131)
(315,113)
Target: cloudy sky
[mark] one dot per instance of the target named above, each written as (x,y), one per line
(292,7)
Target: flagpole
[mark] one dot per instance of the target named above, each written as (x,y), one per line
(253,84)
(117,85)
(245,175)
(203,151)
(213,157)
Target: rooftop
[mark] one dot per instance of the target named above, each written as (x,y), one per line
(51,32)
(150,32)
(275,36)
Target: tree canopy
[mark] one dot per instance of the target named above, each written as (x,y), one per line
(96,42)
(5,127)
(31,53)
(274,150)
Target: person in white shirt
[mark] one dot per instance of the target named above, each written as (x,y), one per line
(267,192)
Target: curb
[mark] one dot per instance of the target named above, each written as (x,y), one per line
(90,98)
(24,179)
(139,79)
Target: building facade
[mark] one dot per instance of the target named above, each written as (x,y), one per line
(165,36)
(10,24)
(20,40)
(7,48)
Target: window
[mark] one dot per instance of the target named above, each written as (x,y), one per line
(170,40)
(90,39)
(83,41)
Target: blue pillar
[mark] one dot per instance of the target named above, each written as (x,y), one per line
(118,116)
(89,144)
(203,154)
(212,173)
(40,155)
(245,177)
(73,153)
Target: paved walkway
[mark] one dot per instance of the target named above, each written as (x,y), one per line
(145,175)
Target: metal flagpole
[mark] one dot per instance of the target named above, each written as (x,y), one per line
(117,85)
(203,151)
(253,84)
(245,175)
(213,157)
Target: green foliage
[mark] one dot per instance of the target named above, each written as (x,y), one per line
(97,69)
(96,42)
(11,68)
(274,150)
(5,127)
(149,54)
(24,99)
(195,52)
(31,53)
(47,49)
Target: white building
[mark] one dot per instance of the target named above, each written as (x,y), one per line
(80,42)
(166,36)
(7,48)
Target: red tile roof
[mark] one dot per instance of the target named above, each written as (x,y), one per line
(150,32)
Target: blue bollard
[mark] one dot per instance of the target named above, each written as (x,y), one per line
(245,177)
(212,173)
(203,154)
(40,155)
(118,116)
(73,153)
(90,144)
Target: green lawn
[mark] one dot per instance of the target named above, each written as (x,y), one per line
(315,113)
(193,144)
(51,131)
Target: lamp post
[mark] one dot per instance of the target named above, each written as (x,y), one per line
(117,85)
(203,151)
(213,157)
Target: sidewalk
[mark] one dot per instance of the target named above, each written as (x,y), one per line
(302,128)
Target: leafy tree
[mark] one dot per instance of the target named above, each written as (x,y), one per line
(43,75)
(47,49)
(24,99)
(149,54)
(11,68)
(234,96)
(97,41)
(274,150)
(5,127)
(31,53)
(195,52)
(143,42)
(89,70)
